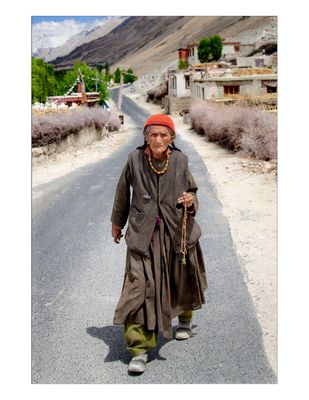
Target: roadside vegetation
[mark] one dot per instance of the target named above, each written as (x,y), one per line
(53,127)
(248,130)
(46,81)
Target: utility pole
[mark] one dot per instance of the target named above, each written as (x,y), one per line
(120,90)
(96,79)
(119,102)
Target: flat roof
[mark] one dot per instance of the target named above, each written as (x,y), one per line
(238,78)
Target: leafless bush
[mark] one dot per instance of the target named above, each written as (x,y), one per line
(55,126)
(157,93)
(113,120)
(250,131)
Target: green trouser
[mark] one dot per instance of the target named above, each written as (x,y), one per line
(139,340)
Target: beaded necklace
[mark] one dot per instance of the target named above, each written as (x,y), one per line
(183,243)
(161,172)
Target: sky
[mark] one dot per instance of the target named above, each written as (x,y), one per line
(53,31)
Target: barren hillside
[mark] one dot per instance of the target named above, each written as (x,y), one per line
(77,40)
(145,43)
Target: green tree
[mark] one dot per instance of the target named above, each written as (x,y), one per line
(47,82)
(107,75)
(43,80)
(93,80)
(216,47)
(51,79)
(129,77)
(210,49)
(117,75)
(182,64)
(204,50)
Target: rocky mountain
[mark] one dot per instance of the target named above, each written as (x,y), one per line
(79,39)
(146,43)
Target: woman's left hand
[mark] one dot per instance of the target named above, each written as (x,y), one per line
(186,199)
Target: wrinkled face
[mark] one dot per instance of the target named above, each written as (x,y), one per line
(158,138)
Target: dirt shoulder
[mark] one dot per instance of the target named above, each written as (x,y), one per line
(247,190)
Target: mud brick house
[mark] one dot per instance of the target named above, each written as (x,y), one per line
(178,90)
(220,80)
(230,85)
(232,50)
(189,53)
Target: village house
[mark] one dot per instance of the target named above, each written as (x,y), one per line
(230,50)
(193,54)
(235,51)
(248,85)
(178,90)
(210,82)
(220,80)
(257,61)
(189,53)
(80,98)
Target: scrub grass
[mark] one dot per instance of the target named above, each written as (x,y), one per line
(53,127)
(248,130)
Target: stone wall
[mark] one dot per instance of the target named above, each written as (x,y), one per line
(84,137)
(173,104)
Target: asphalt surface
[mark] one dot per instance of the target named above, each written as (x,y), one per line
(77,274)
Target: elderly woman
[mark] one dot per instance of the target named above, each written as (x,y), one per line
(165,273)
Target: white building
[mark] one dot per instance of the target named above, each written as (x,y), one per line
(258,61)
(192,53)
(179,91)
(179,83)
(220,86)
(231,50)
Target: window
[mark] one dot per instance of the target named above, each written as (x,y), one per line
(174,83)
(271,86)
(236,48)
(271,89)
(229,90)
(259,62)
(187,81)
(203,93)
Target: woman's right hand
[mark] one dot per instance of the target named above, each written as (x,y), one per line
(116,233)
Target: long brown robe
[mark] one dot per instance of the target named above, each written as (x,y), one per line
(157,287)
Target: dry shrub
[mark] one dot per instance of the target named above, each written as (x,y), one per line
(54,127)
(250,131)
(157,93)
(113,120)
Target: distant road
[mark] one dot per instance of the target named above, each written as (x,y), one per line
(77,274)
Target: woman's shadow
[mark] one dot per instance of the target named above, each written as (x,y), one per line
(113,336)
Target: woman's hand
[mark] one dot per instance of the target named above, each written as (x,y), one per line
(116,233)
(186,199)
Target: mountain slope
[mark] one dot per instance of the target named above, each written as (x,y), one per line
(79,39)
(145,43)
(133,34)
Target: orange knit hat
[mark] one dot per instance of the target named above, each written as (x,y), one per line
(160,119)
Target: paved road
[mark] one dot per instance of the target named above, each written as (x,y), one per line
(77,274)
